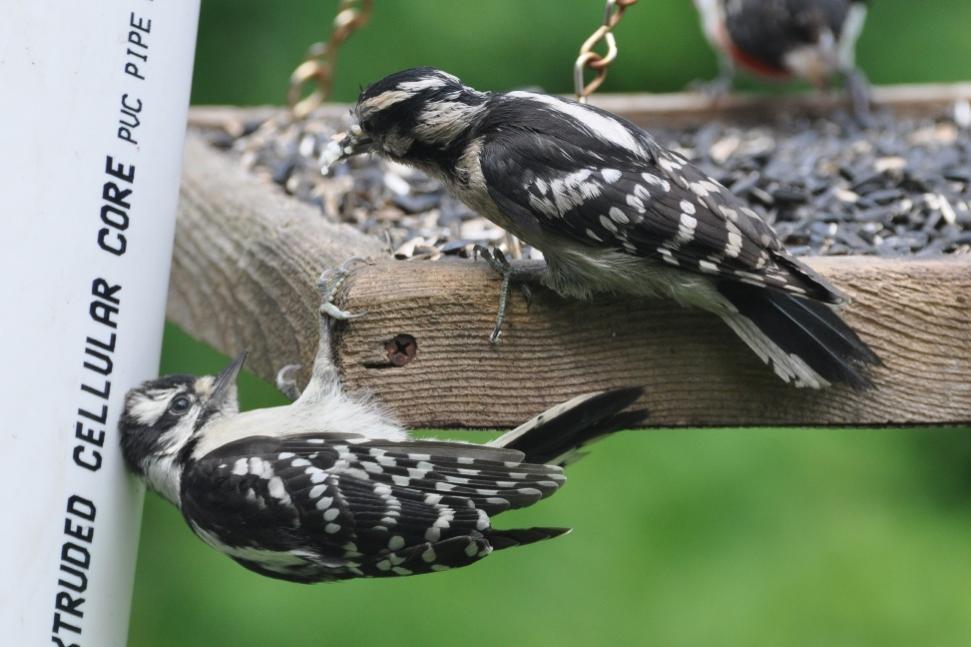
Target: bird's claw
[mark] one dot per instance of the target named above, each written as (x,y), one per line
(330,281)
(324,376)
(494,257)
(286,381)
(714,90)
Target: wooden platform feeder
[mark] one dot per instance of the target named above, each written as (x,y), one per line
(247,257)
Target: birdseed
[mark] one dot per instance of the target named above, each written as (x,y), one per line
(827,185)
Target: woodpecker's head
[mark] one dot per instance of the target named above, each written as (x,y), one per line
(162,416)
(413,116)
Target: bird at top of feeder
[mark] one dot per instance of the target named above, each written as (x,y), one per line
(331,487)
(814,40)
(612,212)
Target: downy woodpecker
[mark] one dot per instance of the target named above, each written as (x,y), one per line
(331,488)
(810,39)
(612,211)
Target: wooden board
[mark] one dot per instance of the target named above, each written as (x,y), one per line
(247,258)
(915,314)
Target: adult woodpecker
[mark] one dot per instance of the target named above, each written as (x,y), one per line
(612,211)
(810,39)
(332,488)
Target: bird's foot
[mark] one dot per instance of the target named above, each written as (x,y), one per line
(719,87)
(330,281)
(715,90)
(501,266)
(324,376)
(286,381)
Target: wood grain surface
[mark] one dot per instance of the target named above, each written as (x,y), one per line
(246,261)
(247,258)
(915,314)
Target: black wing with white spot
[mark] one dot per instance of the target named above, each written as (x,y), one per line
(319,507)
(582,178)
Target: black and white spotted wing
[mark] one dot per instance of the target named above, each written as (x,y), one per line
(600,180)
(325,507)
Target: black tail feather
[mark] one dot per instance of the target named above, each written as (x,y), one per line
(838,336)
(805,329)
(500,539)
(554,434)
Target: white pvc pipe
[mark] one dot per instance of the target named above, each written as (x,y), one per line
(94,98)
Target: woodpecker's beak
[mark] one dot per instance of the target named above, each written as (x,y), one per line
(226,380)
(353,142)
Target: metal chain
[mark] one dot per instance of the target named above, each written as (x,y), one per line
(318,66)
(613,12)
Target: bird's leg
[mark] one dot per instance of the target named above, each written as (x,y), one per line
(515,247)
(858,88)
(498,262)
(324,378)
(721,85)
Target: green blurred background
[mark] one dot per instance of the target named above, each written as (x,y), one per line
(683,537)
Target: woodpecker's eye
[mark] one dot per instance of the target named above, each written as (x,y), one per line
(179,405)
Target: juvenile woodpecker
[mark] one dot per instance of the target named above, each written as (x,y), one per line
(810,39)
(612,211)
(330,488)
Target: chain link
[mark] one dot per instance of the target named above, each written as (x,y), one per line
(318,66)
(588,58)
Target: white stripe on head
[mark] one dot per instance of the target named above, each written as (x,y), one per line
(148,407)
(596,122)
(384,100)
(403,91)
(443,121)
(422,84)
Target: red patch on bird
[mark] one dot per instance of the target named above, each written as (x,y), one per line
(757,65)
(748,61)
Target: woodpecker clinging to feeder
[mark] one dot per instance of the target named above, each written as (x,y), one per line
(330,488)
(612,211)
(810,39)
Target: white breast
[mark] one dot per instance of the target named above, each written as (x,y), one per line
(337,414)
